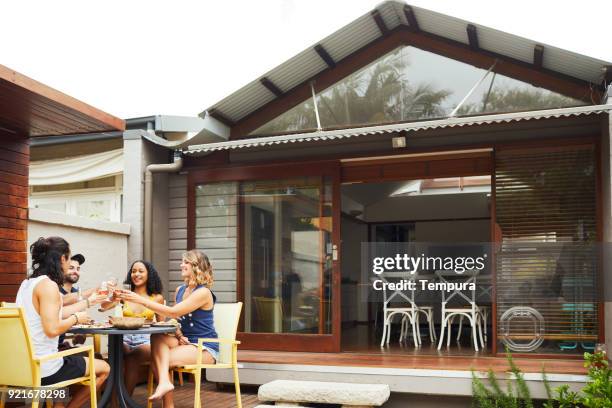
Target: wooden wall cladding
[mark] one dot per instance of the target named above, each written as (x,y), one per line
(416,168)
(14,162)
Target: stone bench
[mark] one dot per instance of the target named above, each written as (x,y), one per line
(348,395)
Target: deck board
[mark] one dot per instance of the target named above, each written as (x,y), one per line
(211,396)
(479,363)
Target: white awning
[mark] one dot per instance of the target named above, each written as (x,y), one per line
(75,169)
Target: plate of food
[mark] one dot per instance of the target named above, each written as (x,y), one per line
(166,323)
(127,322)
(94,325)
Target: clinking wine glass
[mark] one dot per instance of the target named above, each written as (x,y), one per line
(112,285)
(126,287)
(103,290)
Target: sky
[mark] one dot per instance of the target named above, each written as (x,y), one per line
(135,58)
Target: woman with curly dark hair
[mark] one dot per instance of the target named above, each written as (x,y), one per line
(40,298)
(194,308)
(145,282)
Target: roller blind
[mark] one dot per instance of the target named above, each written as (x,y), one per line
(547,261)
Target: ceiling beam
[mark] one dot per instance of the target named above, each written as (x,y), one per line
(538,55)
(413,24)
(384,30)
(215,113)
(472,36)
(271,86)
(325,55)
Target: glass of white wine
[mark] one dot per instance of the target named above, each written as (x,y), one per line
(111,283)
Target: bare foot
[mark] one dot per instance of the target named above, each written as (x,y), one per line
(161,390)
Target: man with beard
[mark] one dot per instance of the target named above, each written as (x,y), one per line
(74,273)
(78,301)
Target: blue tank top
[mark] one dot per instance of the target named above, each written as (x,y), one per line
(199,323)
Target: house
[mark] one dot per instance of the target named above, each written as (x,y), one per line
(405,126)
(31,110)
(88,188)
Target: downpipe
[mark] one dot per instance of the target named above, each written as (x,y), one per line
(173,167)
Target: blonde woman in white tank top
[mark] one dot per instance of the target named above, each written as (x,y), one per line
(40,297)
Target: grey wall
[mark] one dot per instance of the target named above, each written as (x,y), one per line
(223,261)
(428,208)
(138,154)
(453,231)
(353,306)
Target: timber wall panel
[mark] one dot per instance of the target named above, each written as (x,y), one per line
(14,162)
(221,252)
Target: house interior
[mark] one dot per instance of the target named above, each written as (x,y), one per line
(446,217)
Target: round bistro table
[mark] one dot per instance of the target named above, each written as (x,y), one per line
(115,379)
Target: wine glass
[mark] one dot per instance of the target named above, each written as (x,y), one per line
(112,285)
(103,289)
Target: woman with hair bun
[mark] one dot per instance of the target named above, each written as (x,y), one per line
(194,304)
(41,300)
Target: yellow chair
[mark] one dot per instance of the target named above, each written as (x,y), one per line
(269,314)
(21,368)
(227,316)
(95,337)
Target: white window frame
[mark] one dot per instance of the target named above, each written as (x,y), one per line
(71,197)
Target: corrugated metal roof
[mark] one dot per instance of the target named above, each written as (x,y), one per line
(364,30)
(394,128)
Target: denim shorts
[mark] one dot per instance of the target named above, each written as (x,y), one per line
(213,353)
(135,340)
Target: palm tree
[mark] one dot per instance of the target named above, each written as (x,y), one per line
(379,93)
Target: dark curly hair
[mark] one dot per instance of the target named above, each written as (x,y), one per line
(46,258)
(154,284)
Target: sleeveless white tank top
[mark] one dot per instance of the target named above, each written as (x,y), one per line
(43,345)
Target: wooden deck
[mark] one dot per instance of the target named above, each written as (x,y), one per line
(430,362)
(211,396)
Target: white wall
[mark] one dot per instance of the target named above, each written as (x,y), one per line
(104,245)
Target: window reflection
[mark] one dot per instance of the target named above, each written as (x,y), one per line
(287,262)
(411,84)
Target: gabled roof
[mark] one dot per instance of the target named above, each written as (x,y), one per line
(389,16)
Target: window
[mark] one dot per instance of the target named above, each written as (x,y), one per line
(410,84)
(548,261)
(286,253)
(98,199)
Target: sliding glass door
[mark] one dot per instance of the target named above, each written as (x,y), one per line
(276,231)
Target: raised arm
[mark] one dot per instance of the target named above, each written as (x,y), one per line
(49,301)
(82,305)
(71,298)
(196,300)
(159,299)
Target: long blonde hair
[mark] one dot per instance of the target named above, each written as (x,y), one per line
(203,273)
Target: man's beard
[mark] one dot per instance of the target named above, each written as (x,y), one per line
(71,278)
